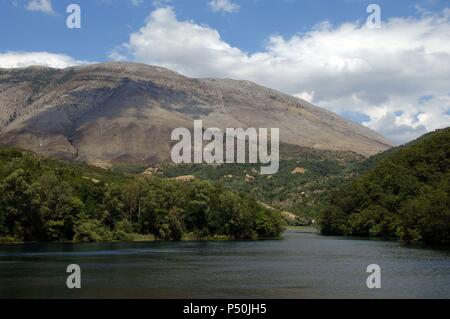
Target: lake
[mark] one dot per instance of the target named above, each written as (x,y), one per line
(302,265)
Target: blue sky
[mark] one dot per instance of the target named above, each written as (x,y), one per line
(284,44)
(106,23)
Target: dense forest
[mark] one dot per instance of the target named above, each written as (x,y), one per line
(403,193)
(304,175)
(44,199)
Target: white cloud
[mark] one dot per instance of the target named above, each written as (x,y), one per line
(44,6)
(381,73)
(24,59)
(306,96)
(223,6)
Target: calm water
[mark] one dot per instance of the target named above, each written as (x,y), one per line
(300,266)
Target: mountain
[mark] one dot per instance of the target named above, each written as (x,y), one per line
(404,194)
(115,113)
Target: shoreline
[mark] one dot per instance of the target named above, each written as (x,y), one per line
(187,238)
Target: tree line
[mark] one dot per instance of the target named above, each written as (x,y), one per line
(50,200)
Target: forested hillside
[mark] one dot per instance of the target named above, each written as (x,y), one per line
(44,199)
(405,194)
(304,175)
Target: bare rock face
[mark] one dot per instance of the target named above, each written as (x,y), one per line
(113,113)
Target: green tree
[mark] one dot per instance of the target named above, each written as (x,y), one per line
(19,207)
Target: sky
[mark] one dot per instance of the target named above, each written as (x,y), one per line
(394,79)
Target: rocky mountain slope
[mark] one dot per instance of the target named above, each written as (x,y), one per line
(113,113)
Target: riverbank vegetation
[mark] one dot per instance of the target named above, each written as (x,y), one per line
(50,200)
(404,194)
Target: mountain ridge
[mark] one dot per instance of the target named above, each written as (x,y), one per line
(119,112)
